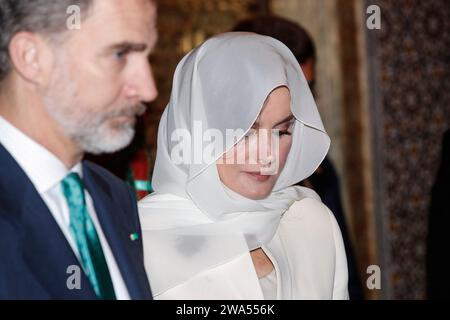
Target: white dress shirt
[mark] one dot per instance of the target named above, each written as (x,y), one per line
(46,172)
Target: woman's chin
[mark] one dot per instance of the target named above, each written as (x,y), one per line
(257,193)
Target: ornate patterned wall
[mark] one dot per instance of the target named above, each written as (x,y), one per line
(413,64)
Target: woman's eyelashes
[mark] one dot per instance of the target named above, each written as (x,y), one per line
(285,130)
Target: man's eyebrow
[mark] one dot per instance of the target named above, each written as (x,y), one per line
(129,47)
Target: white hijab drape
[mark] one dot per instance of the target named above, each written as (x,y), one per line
(223,84)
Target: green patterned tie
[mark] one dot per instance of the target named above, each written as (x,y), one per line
(83,232)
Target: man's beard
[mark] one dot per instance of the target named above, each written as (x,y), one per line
(93,131)
(97,134)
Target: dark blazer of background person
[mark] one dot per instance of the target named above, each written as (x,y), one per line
(438,251)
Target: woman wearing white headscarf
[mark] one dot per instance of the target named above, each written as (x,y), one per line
(217,229)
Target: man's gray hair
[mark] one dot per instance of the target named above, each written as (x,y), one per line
(47,17)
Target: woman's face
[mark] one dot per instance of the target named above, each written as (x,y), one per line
(264,150)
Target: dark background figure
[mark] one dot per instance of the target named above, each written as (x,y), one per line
(325,180)
(438,282)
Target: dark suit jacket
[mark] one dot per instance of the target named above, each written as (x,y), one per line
(35,255)
(438,254)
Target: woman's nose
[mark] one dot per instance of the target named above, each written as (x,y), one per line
(265,161)
(266,142)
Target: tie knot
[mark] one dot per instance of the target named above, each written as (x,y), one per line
(73,188)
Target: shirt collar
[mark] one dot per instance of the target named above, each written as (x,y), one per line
(42,167)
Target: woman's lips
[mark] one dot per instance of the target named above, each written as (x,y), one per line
(258,176)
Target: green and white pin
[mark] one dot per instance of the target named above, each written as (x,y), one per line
(134,236)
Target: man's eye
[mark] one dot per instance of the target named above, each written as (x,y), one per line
(121,54)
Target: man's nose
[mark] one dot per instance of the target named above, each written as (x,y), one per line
(142,84)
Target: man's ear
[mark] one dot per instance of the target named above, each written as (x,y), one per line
(31,57)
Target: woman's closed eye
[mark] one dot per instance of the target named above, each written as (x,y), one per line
(287,129)
(285,132)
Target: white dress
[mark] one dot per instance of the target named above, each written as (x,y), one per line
(269,285)
(310,243)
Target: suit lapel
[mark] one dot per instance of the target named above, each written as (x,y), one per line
(46,252)
(116,233)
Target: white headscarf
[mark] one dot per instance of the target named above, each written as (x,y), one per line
(224,84)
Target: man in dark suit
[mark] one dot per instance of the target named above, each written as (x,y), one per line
(438,283)
(73,77)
